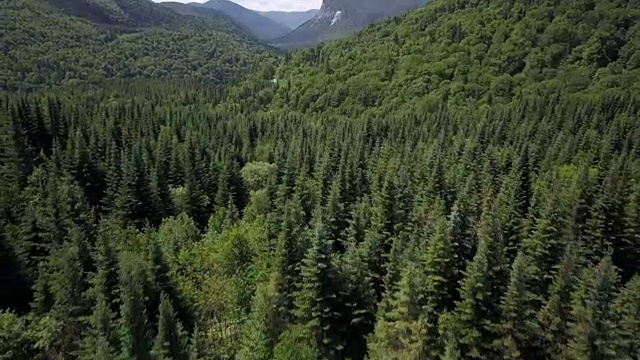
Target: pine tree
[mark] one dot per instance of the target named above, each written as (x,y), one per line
(290,248)
(100,342)
(113,178)
(162,283)
(477,314)
(134,200)
(605,226)
(105,279)
(463,241)
(161,192)
(196,204)
(592,330)
(400,331)
(359,300)
(176,165)
(133,329)
(43,297)
(519,307)
(628,250)
(555,315)
(67,287)
(547,244)
(14,168)
(264,326)
(335,215)
(627,333)
(317,296)
(441,277)
(196,345)
(84,171)
(170,341)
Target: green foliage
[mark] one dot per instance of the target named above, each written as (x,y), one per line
(170,342)
(461,52)
(296,344)
(133,327)
(592,332)
(443,185)
(400,331)
(47,46)
(627,308)
(15,343)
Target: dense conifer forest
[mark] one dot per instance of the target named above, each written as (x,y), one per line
(356,200)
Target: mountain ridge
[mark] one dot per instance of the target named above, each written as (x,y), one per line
(339,18)
(292,19)
(58,42)
(262,27)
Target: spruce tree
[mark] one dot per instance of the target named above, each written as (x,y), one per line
(627,332)
(519,308)
(592,331)
(359,300)
(335,214)
(477,314)
(100,342)
(400,331)
(555,315)
(264,326)
(317,296)
(441,277)
(170,342)
(134,200)
(628,249)
(133,326)
(104,281)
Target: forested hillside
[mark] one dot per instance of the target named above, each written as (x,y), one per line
(471,51)
(355,219)
(45,44)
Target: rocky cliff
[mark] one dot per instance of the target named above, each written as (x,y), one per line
(338,18)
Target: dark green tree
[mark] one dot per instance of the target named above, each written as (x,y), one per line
(554,317)
(476,319)
(170,342)
(592,332)
(133,326)
(316,299)
(627,331)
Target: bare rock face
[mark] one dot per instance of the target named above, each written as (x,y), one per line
(338,18)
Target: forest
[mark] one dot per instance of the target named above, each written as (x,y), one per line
(304,208)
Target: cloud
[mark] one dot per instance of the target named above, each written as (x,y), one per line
(270,5)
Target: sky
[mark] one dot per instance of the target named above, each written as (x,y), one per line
(270,5)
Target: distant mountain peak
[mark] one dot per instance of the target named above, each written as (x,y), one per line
(338,18)
(262,27)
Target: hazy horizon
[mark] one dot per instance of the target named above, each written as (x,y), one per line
(268,5)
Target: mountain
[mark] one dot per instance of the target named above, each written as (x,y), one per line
(56,42)
(292,19)
(468,52)
(260,26)
(122,12)
(338,18)
(191,10)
